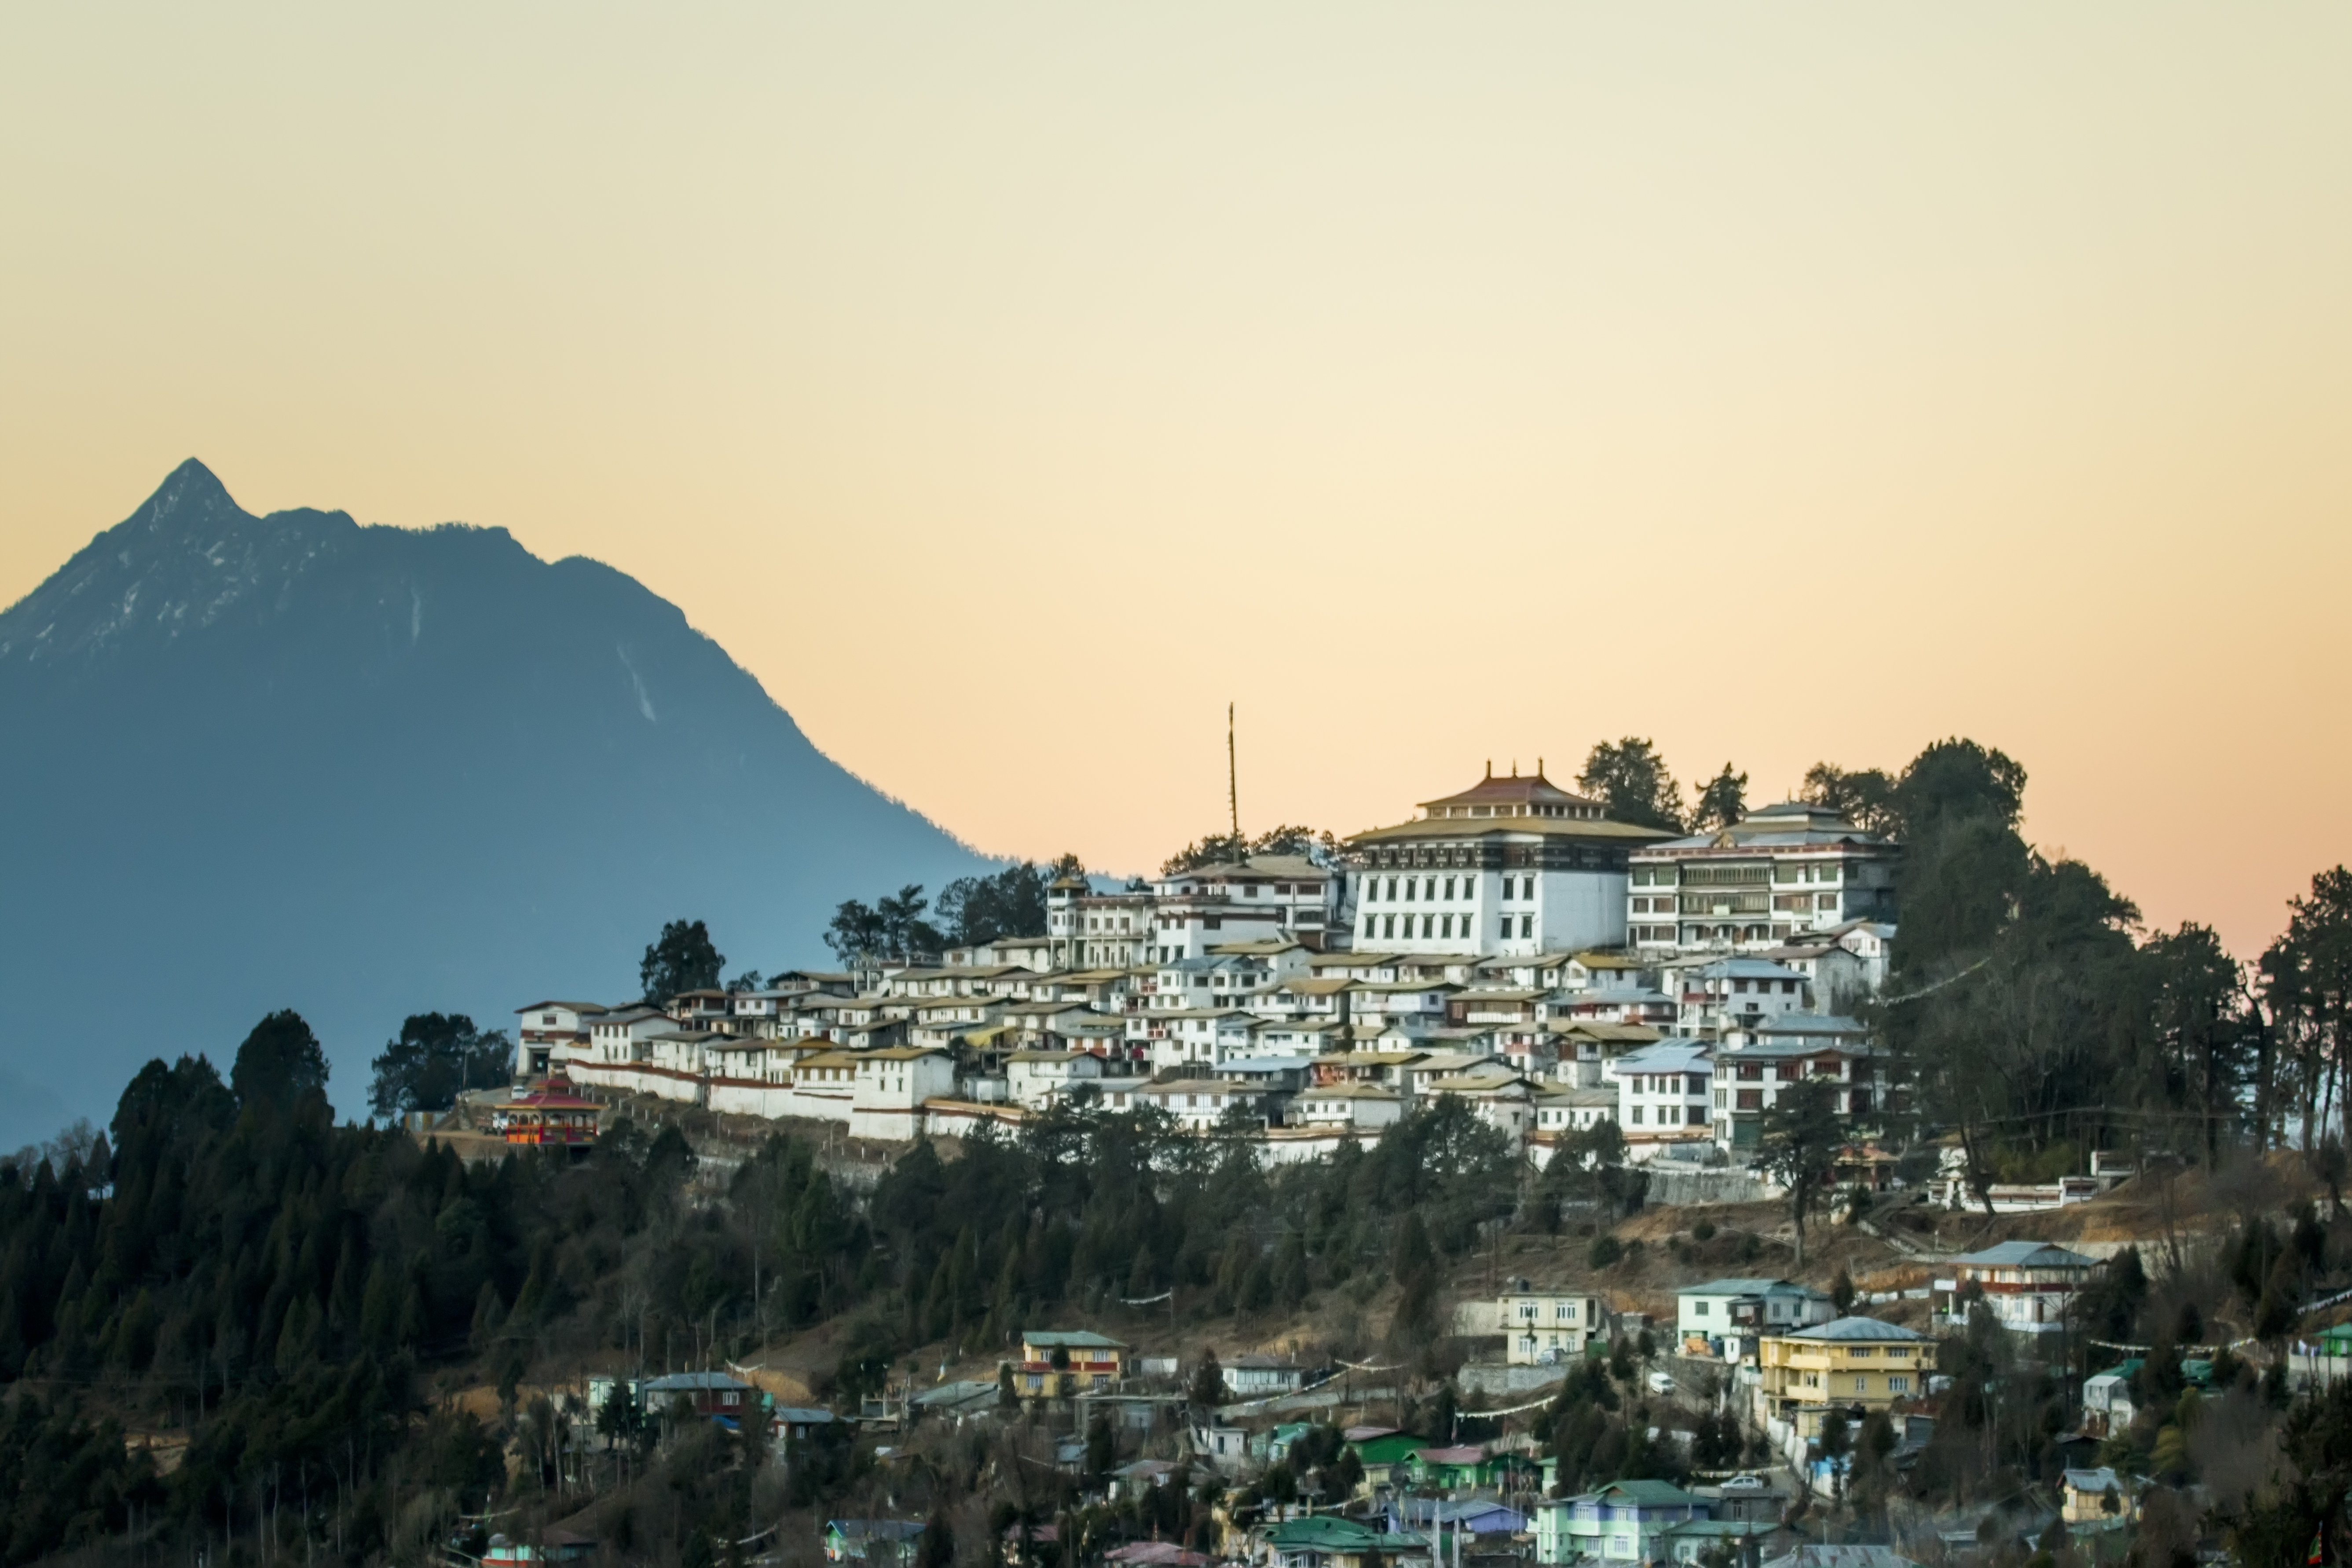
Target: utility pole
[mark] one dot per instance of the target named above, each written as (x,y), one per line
(1233,782)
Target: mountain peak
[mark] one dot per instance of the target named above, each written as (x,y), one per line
(187,493)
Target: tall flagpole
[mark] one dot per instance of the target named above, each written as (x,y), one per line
(1233,781)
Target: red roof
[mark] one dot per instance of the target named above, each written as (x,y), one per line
(556,1096)
(1532,789)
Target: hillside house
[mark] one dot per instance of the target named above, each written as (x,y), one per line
(1728,994)
(1637,1006)
(1385,1453)
(1257,898)
(1466,1468)
(1752,1066)
(1567,1108)
(1725,1317)
(548,1034)
(1543,1328)
(1363,1106)
(1501,1098)
(2094,1500)
(547,1546)
(1201,1103)
(2107,1404)
(1848,1364)
(1663,1091)
(1036,1078)
(1625,1521)
(707,1393)
(2028,1285)
(1055,1363)
(1328,1540)
(1252,1376)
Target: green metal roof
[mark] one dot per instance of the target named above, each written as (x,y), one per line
(1330,1533)
(1072,1339)
(1641,1494)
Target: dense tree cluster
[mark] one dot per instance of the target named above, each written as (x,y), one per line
(682,959)
(438,1057)
(228,1262)
(2032,1013)
(1633,781)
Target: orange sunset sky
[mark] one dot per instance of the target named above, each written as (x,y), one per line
(1009,387)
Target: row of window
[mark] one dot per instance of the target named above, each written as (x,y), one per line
(1425,889)
(1670,1083)
(1784,872)
(1384,928)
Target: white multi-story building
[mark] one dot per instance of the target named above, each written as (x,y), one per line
(548,1034)
(1510,866)
(1753,1066)
(1779,872)
(1663,1091)
(1087,930)
(1731,993)
(1260,899)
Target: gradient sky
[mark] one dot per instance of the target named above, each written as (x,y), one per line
(1010,386)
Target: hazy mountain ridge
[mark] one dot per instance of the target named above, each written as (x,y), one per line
(363,771)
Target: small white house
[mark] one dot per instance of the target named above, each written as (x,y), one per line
(1726,1316)
(890,1086)
(2108,1406)
(1567,1108)
(1255,1376)
(1542,1327)
(1358,1104)
(1037,1079)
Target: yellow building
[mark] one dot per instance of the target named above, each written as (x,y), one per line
(1056,1364)
(1853,1364)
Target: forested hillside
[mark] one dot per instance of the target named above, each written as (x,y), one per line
(229,1262)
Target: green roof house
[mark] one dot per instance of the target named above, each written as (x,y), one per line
(1326,1540)
(1385,1453)
(1468,1468)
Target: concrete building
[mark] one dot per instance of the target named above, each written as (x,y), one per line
(1779,873)
(1625,1521)
(1663,1090)
(1361,1105)
(1511,866)
(1055,1363)
(548,1034)
(1726,1318)
(1753,1066)
(2028,1285)
(1727,994)
(1260,897)
(1546,1327)
(1856,1365)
